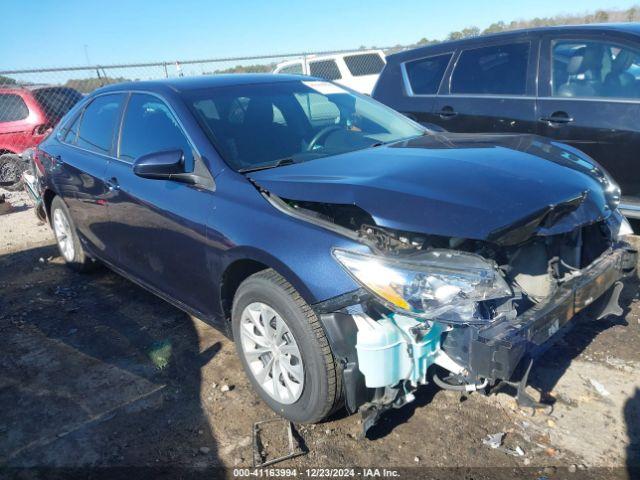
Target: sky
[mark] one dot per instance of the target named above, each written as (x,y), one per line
(54,33)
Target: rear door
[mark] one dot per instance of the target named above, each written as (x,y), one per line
(159,226)
(79,158)
(421,80)
(590,99)
(491,88)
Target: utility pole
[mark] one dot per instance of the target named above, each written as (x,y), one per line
(86,54)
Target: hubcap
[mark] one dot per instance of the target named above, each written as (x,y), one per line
(62,230)
(271,352)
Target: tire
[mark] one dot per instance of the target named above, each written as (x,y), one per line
(320,393)
(11,168)
(67,238)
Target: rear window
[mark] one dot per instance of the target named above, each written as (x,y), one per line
(365,64)
(499,69)
(327,69)
(56,102)
(425,75)
(12,108)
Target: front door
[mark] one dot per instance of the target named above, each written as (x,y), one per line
(159,226)
(591,100)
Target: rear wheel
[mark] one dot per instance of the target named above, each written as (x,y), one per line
(284,350)
(67,238)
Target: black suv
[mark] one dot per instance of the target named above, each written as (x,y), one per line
(577,84)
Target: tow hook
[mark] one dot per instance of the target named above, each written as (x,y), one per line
(523,399)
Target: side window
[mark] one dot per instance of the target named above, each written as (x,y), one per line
(499,70)
(425,75)
(295,69)
(150,127)
(327,69)
(364,64)
(71,133)
(98,123)
(594,69)
(12,108)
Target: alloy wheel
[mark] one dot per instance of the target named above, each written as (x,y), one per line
(63,233)
(272,353)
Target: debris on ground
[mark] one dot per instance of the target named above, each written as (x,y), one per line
(226,388)
(265,434)
(5,207)
(599,388)
(493,441)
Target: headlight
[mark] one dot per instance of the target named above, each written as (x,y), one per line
(440,285)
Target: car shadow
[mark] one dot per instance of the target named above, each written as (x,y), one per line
(100,373)
(394,417)
(632,420)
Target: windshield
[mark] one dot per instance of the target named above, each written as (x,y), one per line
(265,125)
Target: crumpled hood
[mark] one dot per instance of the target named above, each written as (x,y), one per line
(456,185)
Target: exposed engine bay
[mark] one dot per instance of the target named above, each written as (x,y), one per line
(466,314)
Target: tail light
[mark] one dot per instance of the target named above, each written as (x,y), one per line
(37,160)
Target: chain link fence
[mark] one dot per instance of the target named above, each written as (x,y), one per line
(32,101)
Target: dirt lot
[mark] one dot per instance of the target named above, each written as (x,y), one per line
(96,372)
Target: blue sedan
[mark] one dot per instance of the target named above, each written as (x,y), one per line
(347,250)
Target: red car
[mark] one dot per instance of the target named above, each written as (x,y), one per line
(27,114)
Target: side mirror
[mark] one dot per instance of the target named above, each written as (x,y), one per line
(166,165)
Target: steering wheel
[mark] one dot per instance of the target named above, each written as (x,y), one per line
(321,134)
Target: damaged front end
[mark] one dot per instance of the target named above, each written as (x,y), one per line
(478,309)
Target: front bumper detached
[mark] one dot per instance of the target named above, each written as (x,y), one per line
(383,360)
(496,350)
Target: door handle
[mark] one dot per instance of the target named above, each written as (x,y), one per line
(557,117)
(447,112)
(112,184)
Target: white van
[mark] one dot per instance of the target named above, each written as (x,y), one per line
(358,70)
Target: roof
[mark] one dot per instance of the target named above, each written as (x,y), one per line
(628,28)
(31,88)
(181,84)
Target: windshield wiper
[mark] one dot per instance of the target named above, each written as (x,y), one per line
(277,163)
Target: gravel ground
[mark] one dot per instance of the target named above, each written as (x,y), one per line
(97,372)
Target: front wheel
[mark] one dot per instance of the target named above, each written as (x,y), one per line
(284,350)
(67,238)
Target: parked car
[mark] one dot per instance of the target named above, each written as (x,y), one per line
(357,70)
(577,84)
(346,256)
(27,114)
